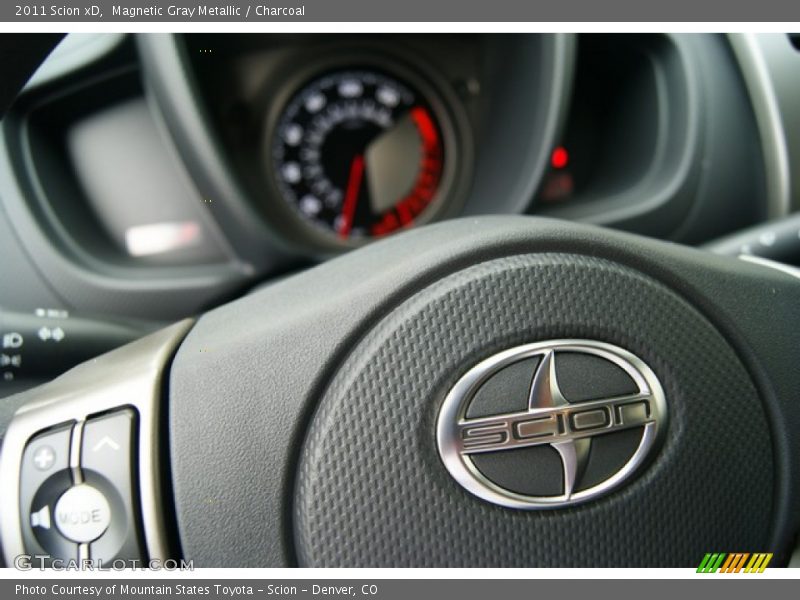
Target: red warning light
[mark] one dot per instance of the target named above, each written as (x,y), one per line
(559,158)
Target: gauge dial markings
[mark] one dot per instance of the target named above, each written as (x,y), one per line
(370,152)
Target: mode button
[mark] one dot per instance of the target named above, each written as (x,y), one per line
(82,514)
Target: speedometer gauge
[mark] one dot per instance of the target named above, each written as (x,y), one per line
(358,154)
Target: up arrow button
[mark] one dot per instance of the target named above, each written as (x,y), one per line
(105,442)
(108,463)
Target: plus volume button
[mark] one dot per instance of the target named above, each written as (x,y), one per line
(45,475)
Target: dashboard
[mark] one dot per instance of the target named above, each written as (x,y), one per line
(151,177)
(222,181)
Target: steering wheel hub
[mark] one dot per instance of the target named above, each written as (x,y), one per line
(373,488)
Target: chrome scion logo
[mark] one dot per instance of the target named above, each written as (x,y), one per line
(550,424)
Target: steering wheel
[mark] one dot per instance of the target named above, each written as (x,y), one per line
(490,391)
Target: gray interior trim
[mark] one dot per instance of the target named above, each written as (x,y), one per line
(129,376)
(771,264)
(167,294)
(530,110)
(74,52)
(756,74)
(173,97)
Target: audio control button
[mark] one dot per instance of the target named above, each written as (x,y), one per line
(45,476)
(108,463)
(82,514)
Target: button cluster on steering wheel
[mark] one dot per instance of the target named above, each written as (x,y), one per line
(76,491)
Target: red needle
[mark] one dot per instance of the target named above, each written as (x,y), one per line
(351,195)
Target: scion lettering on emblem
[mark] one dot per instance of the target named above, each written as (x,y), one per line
(551,420)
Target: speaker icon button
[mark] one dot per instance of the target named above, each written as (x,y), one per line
(41,518)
